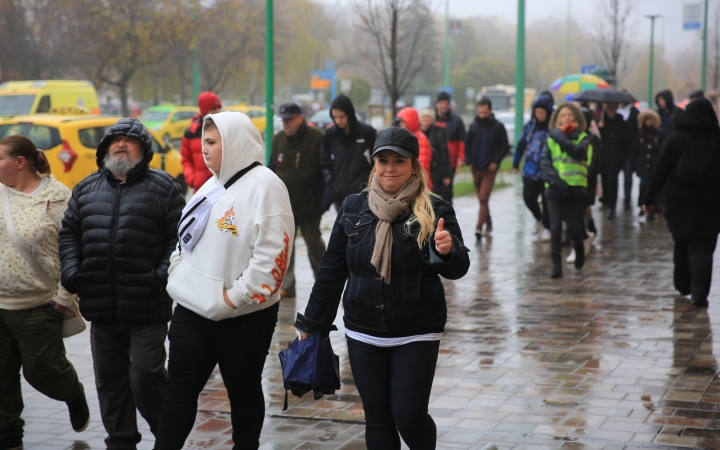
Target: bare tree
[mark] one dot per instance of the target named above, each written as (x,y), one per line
(612,36)
(400,34)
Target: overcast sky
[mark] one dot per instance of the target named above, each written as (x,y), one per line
(675,38)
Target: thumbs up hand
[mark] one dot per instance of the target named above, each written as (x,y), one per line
(443,240)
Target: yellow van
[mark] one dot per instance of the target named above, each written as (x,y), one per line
(70,142)
(45,96)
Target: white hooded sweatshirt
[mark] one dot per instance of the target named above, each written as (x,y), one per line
(246,245)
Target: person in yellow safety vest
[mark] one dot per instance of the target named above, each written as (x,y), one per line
(564,163)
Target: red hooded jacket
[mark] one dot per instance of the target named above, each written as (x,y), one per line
(194,168)
(412,122)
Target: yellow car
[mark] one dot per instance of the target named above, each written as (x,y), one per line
(168,121)
(70,142)
(255,113)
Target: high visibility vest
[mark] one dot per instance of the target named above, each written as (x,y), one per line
(572,171)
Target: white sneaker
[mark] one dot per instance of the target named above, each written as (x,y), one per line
(538,227)
(545,235)
(589,242)
(571,257)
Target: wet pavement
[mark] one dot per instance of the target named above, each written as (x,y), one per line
(609,357)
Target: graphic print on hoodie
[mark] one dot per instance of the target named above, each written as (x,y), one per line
(247,242)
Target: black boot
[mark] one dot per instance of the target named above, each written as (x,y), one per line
(591,227)
(609,214)
(580,257)
(557,271)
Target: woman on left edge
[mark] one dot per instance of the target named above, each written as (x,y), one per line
(31,316)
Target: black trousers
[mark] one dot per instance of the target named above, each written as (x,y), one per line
(394,384)
(627,179)
(532,189)
(446,192)
(574,209)
(240,346)
(693,260)
(609,175)
(129,362)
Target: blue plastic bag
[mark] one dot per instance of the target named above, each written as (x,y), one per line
(310,365)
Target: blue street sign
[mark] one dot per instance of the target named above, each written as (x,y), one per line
(692,16)
(323,80)
(448,89)
(588,68)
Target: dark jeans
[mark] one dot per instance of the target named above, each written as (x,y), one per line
(609,179)
(239,346)
(31,339)
(644,182)
(310,229)
(693,260)
(627,179)
(532,189)
(129,363)
(394,384)
(446,192)
(574,209)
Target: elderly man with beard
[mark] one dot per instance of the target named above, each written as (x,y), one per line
(117,235)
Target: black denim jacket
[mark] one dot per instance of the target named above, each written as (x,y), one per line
(414,301)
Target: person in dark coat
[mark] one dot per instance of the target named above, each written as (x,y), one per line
(455,128)
(531,142)
(486,145)
(295,159)
(692,201)
(616,149)
(630,112)
(593,170)
(117,235)
(647,146)
(669,112)
(345,151)
(390,245)
(441,169)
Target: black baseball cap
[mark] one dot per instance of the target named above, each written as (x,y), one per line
(397,139)
(288,110)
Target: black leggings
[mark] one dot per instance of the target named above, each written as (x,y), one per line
(693,265)
(240,346)
(532,189)
(574,209)
(394,384)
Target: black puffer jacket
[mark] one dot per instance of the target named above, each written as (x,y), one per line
(689,210)
(117,237)
(669,115)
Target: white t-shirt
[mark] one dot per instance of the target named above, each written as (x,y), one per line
(394,341)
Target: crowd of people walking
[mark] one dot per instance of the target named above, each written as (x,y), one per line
(127,244)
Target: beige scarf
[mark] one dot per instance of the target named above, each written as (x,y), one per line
(388,209)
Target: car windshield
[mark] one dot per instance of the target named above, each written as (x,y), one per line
(154,116)
(321,116)
(16,104)
(44,138)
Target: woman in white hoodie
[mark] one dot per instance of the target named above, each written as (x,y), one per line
(31,314)
(235,241)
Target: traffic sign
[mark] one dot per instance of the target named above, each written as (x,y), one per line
(321,80)
(448,89)
(588,68)
(692,16)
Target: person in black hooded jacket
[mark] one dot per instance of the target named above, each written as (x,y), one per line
(692,200)
(117,235)
(345,151)
(669,112)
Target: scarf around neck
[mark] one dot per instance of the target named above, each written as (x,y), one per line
(388,209)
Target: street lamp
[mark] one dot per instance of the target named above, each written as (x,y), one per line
(269,79)
(569,33)
(652,18)
(703,73)
(520,71)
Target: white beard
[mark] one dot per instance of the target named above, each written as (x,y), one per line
(120,165)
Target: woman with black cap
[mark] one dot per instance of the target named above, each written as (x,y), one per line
(391,243)
(688,168)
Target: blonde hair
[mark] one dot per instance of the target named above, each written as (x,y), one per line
(422,207)
(576,111)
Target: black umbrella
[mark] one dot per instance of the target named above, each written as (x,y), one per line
(603,96)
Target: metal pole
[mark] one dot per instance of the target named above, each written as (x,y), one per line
(567,43)
(269,79)
(651,67)
(446,71)
(703,74)
(196,56)
(661,75)
(520,70)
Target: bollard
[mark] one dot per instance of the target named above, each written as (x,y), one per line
(489,447)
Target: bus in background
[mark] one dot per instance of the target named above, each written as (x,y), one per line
(503,97)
